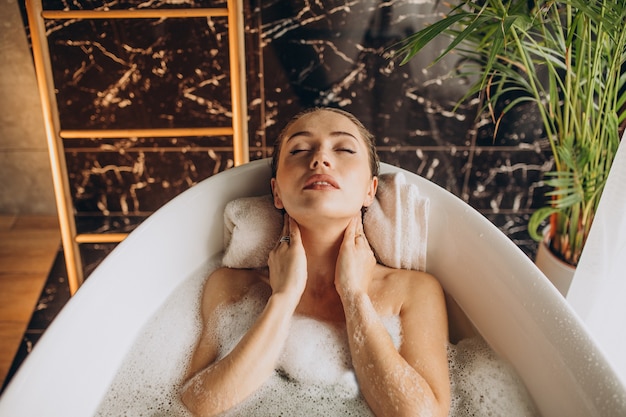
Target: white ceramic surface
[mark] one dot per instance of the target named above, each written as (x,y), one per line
(599,285)
(507,298)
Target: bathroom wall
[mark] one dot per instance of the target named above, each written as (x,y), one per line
(25,179)
(174,73)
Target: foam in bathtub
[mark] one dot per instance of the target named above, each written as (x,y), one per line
(484,385)
(149,380)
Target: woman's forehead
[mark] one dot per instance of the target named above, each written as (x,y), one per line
(324,121)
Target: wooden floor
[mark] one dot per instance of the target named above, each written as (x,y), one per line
(28,247)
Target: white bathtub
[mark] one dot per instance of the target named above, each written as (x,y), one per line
(508,300)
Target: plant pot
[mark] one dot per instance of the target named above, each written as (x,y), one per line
(560,273)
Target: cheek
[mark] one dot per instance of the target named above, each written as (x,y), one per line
(361,189)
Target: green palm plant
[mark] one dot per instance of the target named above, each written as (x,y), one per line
(567,57)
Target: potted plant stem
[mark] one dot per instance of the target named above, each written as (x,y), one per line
(567,57)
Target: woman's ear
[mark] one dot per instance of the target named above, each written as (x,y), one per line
(278,203)
(371,192)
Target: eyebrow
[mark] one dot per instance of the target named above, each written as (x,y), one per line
(334,133)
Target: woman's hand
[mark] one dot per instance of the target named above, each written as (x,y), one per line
(356,261)
(287,262)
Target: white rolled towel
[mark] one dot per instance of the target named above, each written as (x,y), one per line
(395,224)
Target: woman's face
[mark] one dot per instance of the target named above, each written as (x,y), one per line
(323,168)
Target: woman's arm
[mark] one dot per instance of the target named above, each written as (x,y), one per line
(213,387)
(413,381)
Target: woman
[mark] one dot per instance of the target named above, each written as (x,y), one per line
(324,172)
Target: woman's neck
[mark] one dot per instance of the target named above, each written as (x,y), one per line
(321,245)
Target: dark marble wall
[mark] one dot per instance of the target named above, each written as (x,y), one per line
(141,73)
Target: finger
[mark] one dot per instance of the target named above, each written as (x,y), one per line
(359,225)
(359,231)
(350,233)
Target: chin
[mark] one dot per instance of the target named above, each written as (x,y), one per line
(323,214)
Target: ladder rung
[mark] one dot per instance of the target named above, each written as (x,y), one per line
(100,237)
(133,14)
(142,133)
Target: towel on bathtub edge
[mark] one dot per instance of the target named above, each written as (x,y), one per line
(395,224)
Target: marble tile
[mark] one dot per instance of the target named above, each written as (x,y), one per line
(141,73)
(138,182)
(337,54)
(97,223)
(443,166)
(507,179)
(92,254)
(520,128)
(515,226)
(53,297)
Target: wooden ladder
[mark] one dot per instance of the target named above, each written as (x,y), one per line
(55,135)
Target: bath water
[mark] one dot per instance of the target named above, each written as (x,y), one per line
(313,376)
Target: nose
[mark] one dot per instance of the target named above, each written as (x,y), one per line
(320,158)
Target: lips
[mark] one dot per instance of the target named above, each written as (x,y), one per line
(320,182)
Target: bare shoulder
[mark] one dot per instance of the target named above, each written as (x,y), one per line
(409,280)
(398,289)
(227,286)
(234,281)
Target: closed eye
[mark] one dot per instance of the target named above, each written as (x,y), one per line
(348,150)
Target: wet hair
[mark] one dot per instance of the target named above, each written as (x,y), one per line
(366,134)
